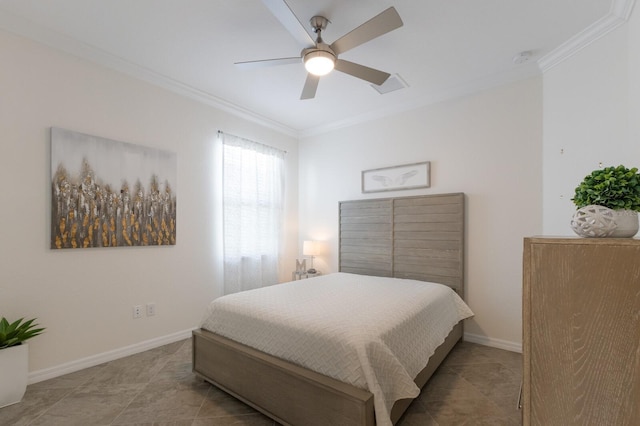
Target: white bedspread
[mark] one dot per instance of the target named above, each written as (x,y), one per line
(374,333)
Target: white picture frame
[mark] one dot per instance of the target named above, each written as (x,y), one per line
(396,178)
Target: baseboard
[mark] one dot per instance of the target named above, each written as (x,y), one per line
(494,343)
(91,361)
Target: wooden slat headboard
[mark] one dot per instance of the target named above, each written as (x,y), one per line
(419,237)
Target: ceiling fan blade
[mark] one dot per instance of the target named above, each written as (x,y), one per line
(381,24)
(310,87)
(365,73)
(250,65)
(281,10)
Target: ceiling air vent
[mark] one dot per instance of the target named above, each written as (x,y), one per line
(393,83)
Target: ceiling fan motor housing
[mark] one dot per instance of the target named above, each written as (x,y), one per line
(318,23)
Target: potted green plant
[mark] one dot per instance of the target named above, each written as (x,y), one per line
(614,188)
(14,358)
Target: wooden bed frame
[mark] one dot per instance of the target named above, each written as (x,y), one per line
(419,238)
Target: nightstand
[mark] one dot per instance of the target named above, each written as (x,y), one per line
(302,275)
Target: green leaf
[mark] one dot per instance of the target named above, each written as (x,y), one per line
(12,334)
(613,187)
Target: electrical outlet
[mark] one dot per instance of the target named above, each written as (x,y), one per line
(137,311)
(151,309)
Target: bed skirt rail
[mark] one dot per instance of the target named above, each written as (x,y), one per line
(288,393)
(285,392)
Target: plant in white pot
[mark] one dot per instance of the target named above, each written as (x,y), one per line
(14,358)
(608,202)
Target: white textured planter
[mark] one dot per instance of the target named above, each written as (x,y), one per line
(626,223)
(593,222)
(14,372)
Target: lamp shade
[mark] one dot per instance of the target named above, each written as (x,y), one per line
(309,248)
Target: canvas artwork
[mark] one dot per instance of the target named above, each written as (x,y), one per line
(107,193)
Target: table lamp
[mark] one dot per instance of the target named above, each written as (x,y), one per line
(310,248)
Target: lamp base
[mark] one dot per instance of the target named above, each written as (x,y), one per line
(311,271)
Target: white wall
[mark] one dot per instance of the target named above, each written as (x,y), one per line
(85,297)
(488,146)
(633,50)
(592,115)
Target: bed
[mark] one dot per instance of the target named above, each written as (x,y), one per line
(411,238)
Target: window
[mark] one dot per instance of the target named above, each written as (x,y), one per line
(253,188)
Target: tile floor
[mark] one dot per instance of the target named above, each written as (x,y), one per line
(476,385)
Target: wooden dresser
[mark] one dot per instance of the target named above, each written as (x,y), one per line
(581,323)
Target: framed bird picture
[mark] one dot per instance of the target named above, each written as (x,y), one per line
(406,176)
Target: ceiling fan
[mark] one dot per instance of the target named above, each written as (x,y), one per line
(320,58)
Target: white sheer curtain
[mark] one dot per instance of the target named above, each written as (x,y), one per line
(253,189)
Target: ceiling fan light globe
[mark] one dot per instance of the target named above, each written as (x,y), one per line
(319,62)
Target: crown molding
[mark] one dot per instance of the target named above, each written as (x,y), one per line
(25,28)
(430,98)
(618,14)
